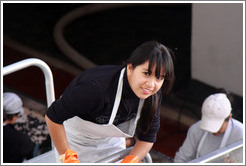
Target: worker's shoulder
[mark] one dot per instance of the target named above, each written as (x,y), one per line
(100,72)
(11,133)
(237,124)
(196,124)
(195,128)
(102,68)
(236,131)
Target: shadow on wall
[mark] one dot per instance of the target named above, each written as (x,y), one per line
(191,97)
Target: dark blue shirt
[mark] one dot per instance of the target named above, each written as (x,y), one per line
(91,96)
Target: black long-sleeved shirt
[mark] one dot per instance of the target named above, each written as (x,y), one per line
(16,145)
(91,96)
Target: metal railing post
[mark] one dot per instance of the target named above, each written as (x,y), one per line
(117,157)
(212,156)
(49,84)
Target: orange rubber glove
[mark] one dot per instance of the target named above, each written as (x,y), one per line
(70,156)
(130,159)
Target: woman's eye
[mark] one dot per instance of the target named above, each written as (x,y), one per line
(160,78)
(146,73)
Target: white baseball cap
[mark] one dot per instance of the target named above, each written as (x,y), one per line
(215,109)
(12,104)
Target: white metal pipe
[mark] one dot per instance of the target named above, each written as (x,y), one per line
(219,152)
(117,157)
(49,84)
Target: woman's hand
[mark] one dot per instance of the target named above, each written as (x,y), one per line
(130,159)
(70,156)
(138,152)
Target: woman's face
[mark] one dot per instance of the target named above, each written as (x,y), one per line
(143,83)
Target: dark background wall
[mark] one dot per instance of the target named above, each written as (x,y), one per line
(109,37)
(106,37)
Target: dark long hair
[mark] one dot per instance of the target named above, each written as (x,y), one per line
(161,56)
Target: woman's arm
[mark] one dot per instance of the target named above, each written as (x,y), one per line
(141,148)
(58,135)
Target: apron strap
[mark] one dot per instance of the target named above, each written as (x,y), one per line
(140,106)
(201,143)
(117,97)
(226,135)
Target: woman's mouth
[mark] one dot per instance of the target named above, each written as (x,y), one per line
(146,91)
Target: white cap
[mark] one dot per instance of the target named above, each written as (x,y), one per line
(12,103)
(215,109)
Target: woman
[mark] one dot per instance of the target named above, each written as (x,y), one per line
(104,105)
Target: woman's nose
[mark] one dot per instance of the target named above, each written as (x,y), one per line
(151,82)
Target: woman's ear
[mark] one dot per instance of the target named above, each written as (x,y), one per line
(129,67)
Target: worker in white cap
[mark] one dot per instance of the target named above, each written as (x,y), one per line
(215,130)
(16,145)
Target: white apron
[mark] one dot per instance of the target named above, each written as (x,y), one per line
(223,141)
(93,141)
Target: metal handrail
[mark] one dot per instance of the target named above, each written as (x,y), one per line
(49,84)
(49,157)
(219,152)
(117,157)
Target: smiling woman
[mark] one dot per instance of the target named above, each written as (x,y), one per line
(106,104)
(147,69)
(143,82)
